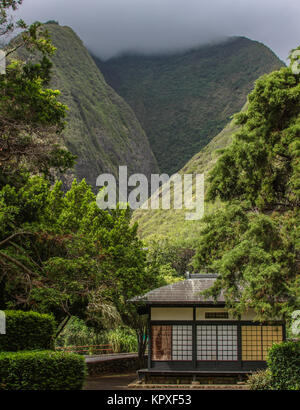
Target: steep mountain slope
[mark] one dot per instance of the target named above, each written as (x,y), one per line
(182,100)
(171,223)
(102,129)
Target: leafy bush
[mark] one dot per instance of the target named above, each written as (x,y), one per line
(260,380)
(41,370)
(27,331)
(284,364)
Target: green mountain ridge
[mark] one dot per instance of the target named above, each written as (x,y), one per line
(182,100)
(101,127)
(172,223)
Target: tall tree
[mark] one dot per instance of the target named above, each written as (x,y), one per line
(262,164)
(253,242)
(31,117)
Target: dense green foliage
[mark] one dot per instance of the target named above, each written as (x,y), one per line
(64,253)
(27,331)
(102,131)
(283,372)
(256,257)
(44,370)
(254,243)
(170,260)
(262,163)
(31,117)
(30,136)
(77,333)
(121,339)
(59,253)
(284,364)
(184,99)
(31,121)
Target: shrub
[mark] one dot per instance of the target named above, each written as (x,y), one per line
(123,340)
(260,380)
(27,331)
(41,370)
(77,333)
(284,364)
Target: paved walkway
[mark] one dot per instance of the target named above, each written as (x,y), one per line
(110,382)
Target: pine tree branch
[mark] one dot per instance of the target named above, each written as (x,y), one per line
(13,236)
(16,262)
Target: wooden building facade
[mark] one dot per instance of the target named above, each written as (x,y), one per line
(190,334)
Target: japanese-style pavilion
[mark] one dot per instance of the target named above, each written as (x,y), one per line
(189,334)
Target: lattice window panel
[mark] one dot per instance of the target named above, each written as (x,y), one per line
(207,342)
(217,342)
(227,342)
(270,335)
(257,340)
(182,342)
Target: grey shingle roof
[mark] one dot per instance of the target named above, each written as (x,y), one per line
(183,292)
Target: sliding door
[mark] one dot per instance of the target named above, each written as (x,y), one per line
(217,343)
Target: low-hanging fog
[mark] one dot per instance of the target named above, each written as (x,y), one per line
(109,27)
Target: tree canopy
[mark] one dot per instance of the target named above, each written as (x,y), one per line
(253,241)
(31,116)
(262,163)
(60,253)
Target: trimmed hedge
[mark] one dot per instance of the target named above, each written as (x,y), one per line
(41,370)
(284,364)
(27,331)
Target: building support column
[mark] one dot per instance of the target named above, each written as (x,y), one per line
(239,343)
(194,335)
(149,339)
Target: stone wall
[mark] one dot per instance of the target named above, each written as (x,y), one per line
(115,365)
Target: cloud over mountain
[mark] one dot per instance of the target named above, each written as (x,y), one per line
(109,27)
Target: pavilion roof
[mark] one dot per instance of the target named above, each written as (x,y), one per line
(184,292)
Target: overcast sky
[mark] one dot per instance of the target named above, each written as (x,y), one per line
(109,27)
